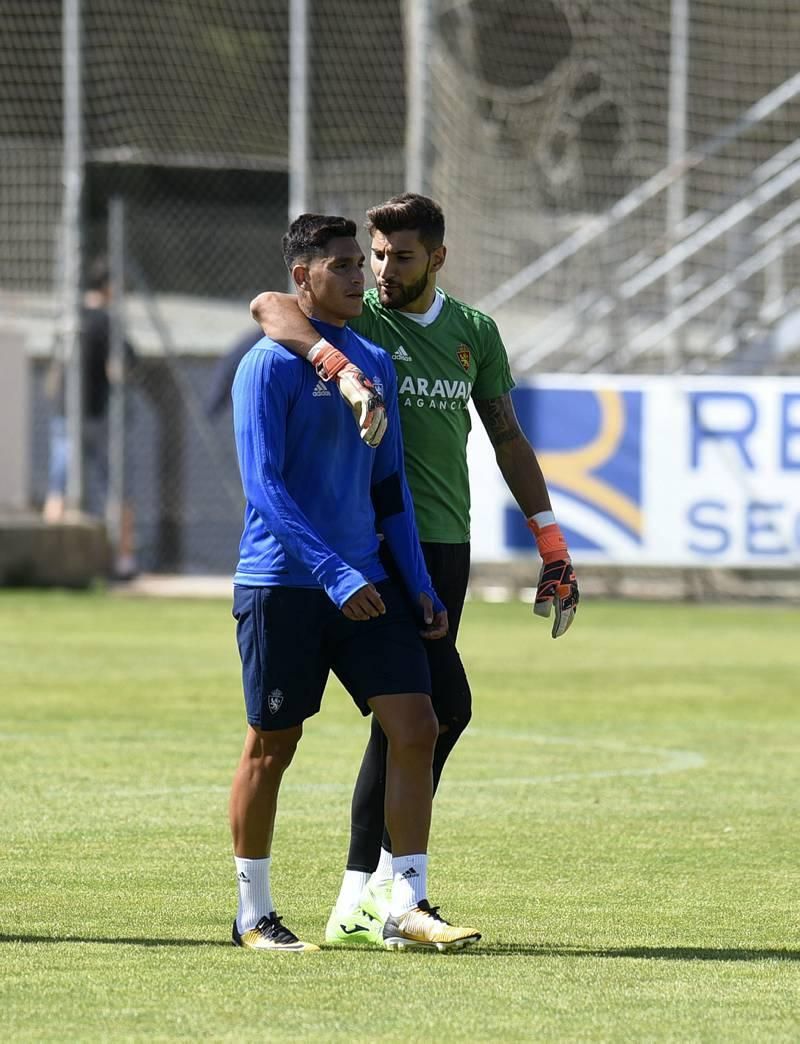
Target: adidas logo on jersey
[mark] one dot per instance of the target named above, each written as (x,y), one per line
(401,355)
(321,390)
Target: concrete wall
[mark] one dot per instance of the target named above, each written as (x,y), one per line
(14,421)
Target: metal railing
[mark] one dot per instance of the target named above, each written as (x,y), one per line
(592,320)
(696,294)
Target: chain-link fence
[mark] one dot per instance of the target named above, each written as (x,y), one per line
(532,121)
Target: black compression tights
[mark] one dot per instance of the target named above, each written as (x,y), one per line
(448,565)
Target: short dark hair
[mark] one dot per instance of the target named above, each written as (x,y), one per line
(98,277)
(309,234)
(409,211)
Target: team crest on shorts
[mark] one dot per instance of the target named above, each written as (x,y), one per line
(464,356)
(274,701)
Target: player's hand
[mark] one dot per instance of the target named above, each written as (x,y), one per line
(365,401)
(365,604)
(357,390)
(558,589)
(436,624)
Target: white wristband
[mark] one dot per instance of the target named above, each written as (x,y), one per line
(315,349)
(543,518)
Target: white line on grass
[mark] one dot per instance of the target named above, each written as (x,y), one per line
(663,761)
(669,760)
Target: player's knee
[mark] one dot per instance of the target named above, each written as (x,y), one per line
(280,754)
(273,751)
(416,734)
(462,720)
(426,730)
(455,723)
(281,757)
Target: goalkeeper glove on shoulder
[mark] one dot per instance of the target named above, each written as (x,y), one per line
(357,390)
(557,588)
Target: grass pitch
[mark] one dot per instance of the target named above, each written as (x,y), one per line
(620,821)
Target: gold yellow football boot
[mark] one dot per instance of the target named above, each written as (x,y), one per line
(422,927)
(270,934)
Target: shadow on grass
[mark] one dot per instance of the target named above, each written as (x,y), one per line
(112,940)
(646,953)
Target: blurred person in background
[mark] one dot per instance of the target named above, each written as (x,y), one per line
(444,353)
(219,398)
(95,347)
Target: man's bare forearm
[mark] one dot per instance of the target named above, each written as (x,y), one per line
(514,454)
(523,475)
(280,318)
(522,472)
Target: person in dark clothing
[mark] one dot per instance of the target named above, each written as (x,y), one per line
(95,347)
(219,398)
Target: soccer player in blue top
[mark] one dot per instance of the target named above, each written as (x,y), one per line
(311,594)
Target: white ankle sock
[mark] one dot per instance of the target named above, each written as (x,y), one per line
(255,900)
(409,883)
(349,898)
(383,871)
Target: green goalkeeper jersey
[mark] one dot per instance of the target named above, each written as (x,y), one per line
(439,368)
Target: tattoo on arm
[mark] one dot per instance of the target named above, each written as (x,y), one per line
(499,419)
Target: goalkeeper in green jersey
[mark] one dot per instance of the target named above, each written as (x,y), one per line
(445,353)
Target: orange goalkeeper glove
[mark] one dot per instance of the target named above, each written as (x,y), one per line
(557,586)
(356,389)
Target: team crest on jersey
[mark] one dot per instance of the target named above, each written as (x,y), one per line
(464,356)
(378,385)
(274,701)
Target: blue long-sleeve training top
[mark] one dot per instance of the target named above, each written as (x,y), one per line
(314,490)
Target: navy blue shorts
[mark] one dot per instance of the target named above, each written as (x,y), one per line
(289,639)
